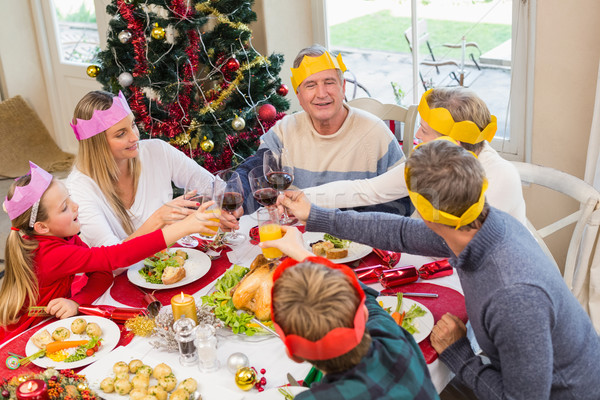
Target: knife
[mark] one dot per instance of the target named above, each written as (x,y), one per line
(291,380)
(255,320)
(410,294)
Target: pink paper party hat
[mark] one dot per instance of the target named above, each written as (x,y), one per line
(27,196)
(102,119)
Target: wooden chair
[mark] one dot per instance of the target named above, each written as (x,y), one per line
(392,112)
(582,266)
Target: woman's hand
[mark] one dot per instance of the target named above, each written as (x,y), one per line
(296,203)
(291,244)
(62,308)
(448,330)
(229,221)
(173,211)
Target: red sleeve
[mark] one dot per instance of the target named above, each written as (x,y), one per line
(97,284)
(59,258)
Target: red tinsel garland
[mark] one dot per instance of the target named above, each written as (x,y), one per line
(138,38)
(181,9)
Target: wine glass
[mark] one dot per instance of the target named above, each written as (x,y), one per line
(262,190)
(233,198)
(216,195)
(191,193)
(279,173)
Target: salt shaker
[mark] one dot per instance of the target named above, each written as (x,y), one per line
(206,345)
(185,334)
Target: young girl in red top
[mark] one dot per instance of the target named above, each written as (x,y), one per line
(43,252)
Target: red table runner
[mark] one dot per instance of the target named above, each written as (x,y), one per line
(449,300)
(127,293)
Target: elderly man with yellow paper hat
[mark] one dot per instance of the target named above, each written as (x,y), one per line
(540,342)
(454,112)
(328,140)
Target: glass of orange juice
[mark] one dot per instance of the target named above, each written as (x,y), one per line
(269,229)
(216,195)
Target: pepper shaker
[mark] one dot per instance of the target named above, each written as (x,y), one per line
(185,334)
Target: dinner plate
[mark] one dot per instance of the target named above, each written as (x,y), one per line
(356,250)
(110,338)
(424,324)
(196,266)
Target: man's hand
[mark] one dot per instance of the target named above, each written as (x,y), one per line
(296,203)
(62,308)
(448,330)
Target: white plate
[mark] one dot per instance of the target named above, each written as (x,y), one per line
(356,251)
(196,266)
(424,324)
(110,336)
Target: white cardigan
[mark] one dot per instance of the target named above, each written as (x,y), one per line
(504,190)
(161,163)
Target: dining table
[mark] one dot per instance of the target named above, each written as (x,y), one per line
(265,352)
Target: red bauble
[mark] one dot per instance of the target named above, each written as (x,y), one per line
(267,112)
(282,90)
(231,65)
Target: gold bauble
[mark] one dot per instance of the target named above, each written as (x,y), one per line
(245,378)
(238,123)
(207,145)
(81,387)
(158,32)
(92,71)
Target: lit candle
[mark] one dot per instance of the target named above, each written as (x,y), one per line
(184,305)
(34,389)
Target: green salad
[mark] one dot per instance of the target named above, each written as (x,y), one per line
(337,242)
(154,266)
(221,300)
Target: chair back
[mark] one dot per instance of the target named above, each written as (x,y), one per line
(580,254)
(392,112)
(422,34)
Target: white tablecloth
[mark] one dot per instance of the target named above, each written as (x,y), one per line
(268,353)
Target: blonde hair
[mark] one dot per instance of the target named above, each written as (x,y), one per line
(303,299)
(448,176)
(95,159)
(20,283)
(464,105)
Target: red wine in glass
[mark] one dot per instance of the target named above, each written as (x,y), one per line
(232,201)
(267,196)
(280,180)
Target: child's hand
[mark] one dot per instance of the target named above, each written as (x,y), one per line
(291,244)
(173,211)
(202,220)
(62,308)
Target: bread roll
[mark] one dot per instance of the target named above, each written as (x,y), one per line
(334,254)
(173,274)
(320,248)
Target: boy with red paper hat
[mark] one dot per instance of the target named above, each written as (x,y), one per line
(326,317)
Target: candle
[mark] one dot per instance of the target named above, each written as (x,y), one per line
(34,389)
(184,305)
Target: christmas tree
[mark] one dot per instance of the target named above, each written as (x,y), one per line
(192,76)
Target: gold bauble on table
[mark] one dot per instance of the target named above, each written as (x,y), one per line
(245,378)
(207,145)
(158,32)
(238,123)
(92,71)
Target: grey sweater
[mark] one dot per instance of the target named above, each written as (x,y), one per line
(540,341)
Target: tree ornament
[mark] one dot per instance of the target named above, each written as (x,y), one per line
(267,112)
(124,36)
(245,378)
(125,79)
(238,123)
(129,1)
(237,361)
(93,71)
(207,145)
(231,65)
(282,90)
(158,32)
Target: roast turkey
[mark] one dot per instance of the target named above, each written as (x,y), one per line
(253,292)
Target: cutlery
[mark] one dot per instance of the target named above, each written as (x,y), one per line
(410,294)
(292,381)
(256,321)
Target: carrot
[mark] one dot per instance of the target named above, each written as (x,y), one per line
(396,314)
(53,347)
